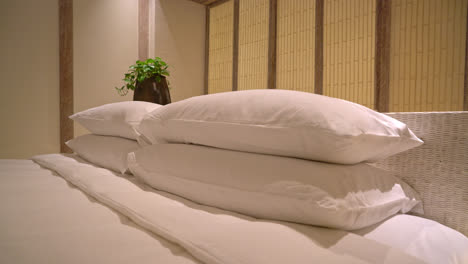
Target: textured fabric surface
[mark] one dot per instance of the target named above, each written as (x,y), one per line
(217,236)
(281,122)
(116,119)
(438,170)
(46,220)
(106,151)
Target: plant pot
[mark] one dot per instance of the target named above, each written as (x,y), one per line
(151,91)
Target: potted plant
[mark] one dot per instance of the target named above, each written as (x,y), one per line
(148,81)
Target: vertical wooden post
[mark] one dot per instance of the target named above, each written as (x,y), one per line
(382,55)
(465,89)
(271,82)
(66,72)
(235,46)
(207,47)
(143,29)
(319,17)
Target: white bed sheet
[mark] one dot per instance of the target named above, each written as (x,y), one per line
(46,220)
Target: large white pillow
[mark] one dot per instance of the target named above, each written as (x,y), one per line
(281,122)
(273,187)
(105,151)
(116,119)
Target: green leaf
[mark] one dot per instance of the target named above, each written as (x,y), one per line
(141,71)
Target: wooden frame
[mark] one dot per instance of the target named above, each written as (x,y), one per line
(465,88)
(382,55)
(217,3)
(235,46)
(319,17)
(66,72)
(272,24)
(207,47)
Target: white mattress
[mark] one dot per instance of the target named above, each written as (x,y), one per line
(47,220)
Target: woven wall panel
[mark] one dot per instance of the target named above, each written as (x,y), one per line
(349,41)
(295,45)
(253,44)
(427,55)
(437,170)
(220,48)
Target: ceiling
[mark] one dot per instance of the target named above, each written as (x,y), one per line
(204,2)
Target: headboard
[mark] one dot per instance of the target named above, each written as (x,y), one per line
(438,169)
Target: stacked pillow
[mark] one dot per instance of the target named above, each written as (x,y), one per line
(113,133)
(277,154)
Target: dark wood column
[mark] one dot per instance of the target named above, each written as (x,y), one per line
(319,17)
(382,55)
(66,72)
(271,82)
(235,46)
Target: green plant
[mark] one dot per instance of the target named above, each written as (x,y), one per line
(141,71)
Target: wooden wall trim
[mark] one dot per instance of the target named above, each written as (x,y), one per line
(465,89)
(272,26)
(382,55)
(143,29)
(207,47)
(66,72)
(319,17)
(235,46)
(217,3)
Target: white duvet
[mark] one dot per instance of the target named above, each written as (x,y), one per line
(218,236)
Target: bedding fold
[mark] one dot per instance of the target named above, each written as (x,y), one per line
(216,236)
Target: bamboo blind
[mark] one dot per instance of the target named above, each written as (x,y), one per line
(426,64)
(220,48)
(427,55)
(295,45)
(349,38)
(253,44)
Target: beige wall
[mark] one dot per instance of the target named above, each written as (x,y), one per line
(29,101)
(179,39)
(105,40)
(105,44)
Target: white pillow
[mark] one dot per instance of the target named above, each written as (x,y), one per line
(105,151)
(272,187)
(281,122)
(423,238)
(116,119)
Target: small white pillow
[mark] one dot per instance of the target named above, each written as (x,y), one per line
(425,239)
(272,187)
(281,122)
(105,151)
(116,119)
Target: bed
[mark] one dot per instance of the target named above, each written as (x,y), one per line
(59,208)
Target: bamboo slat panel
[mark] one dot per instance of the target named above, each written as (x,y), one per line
(221,48)
(295,45)
(253,44)
(427,55)
(349,47)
